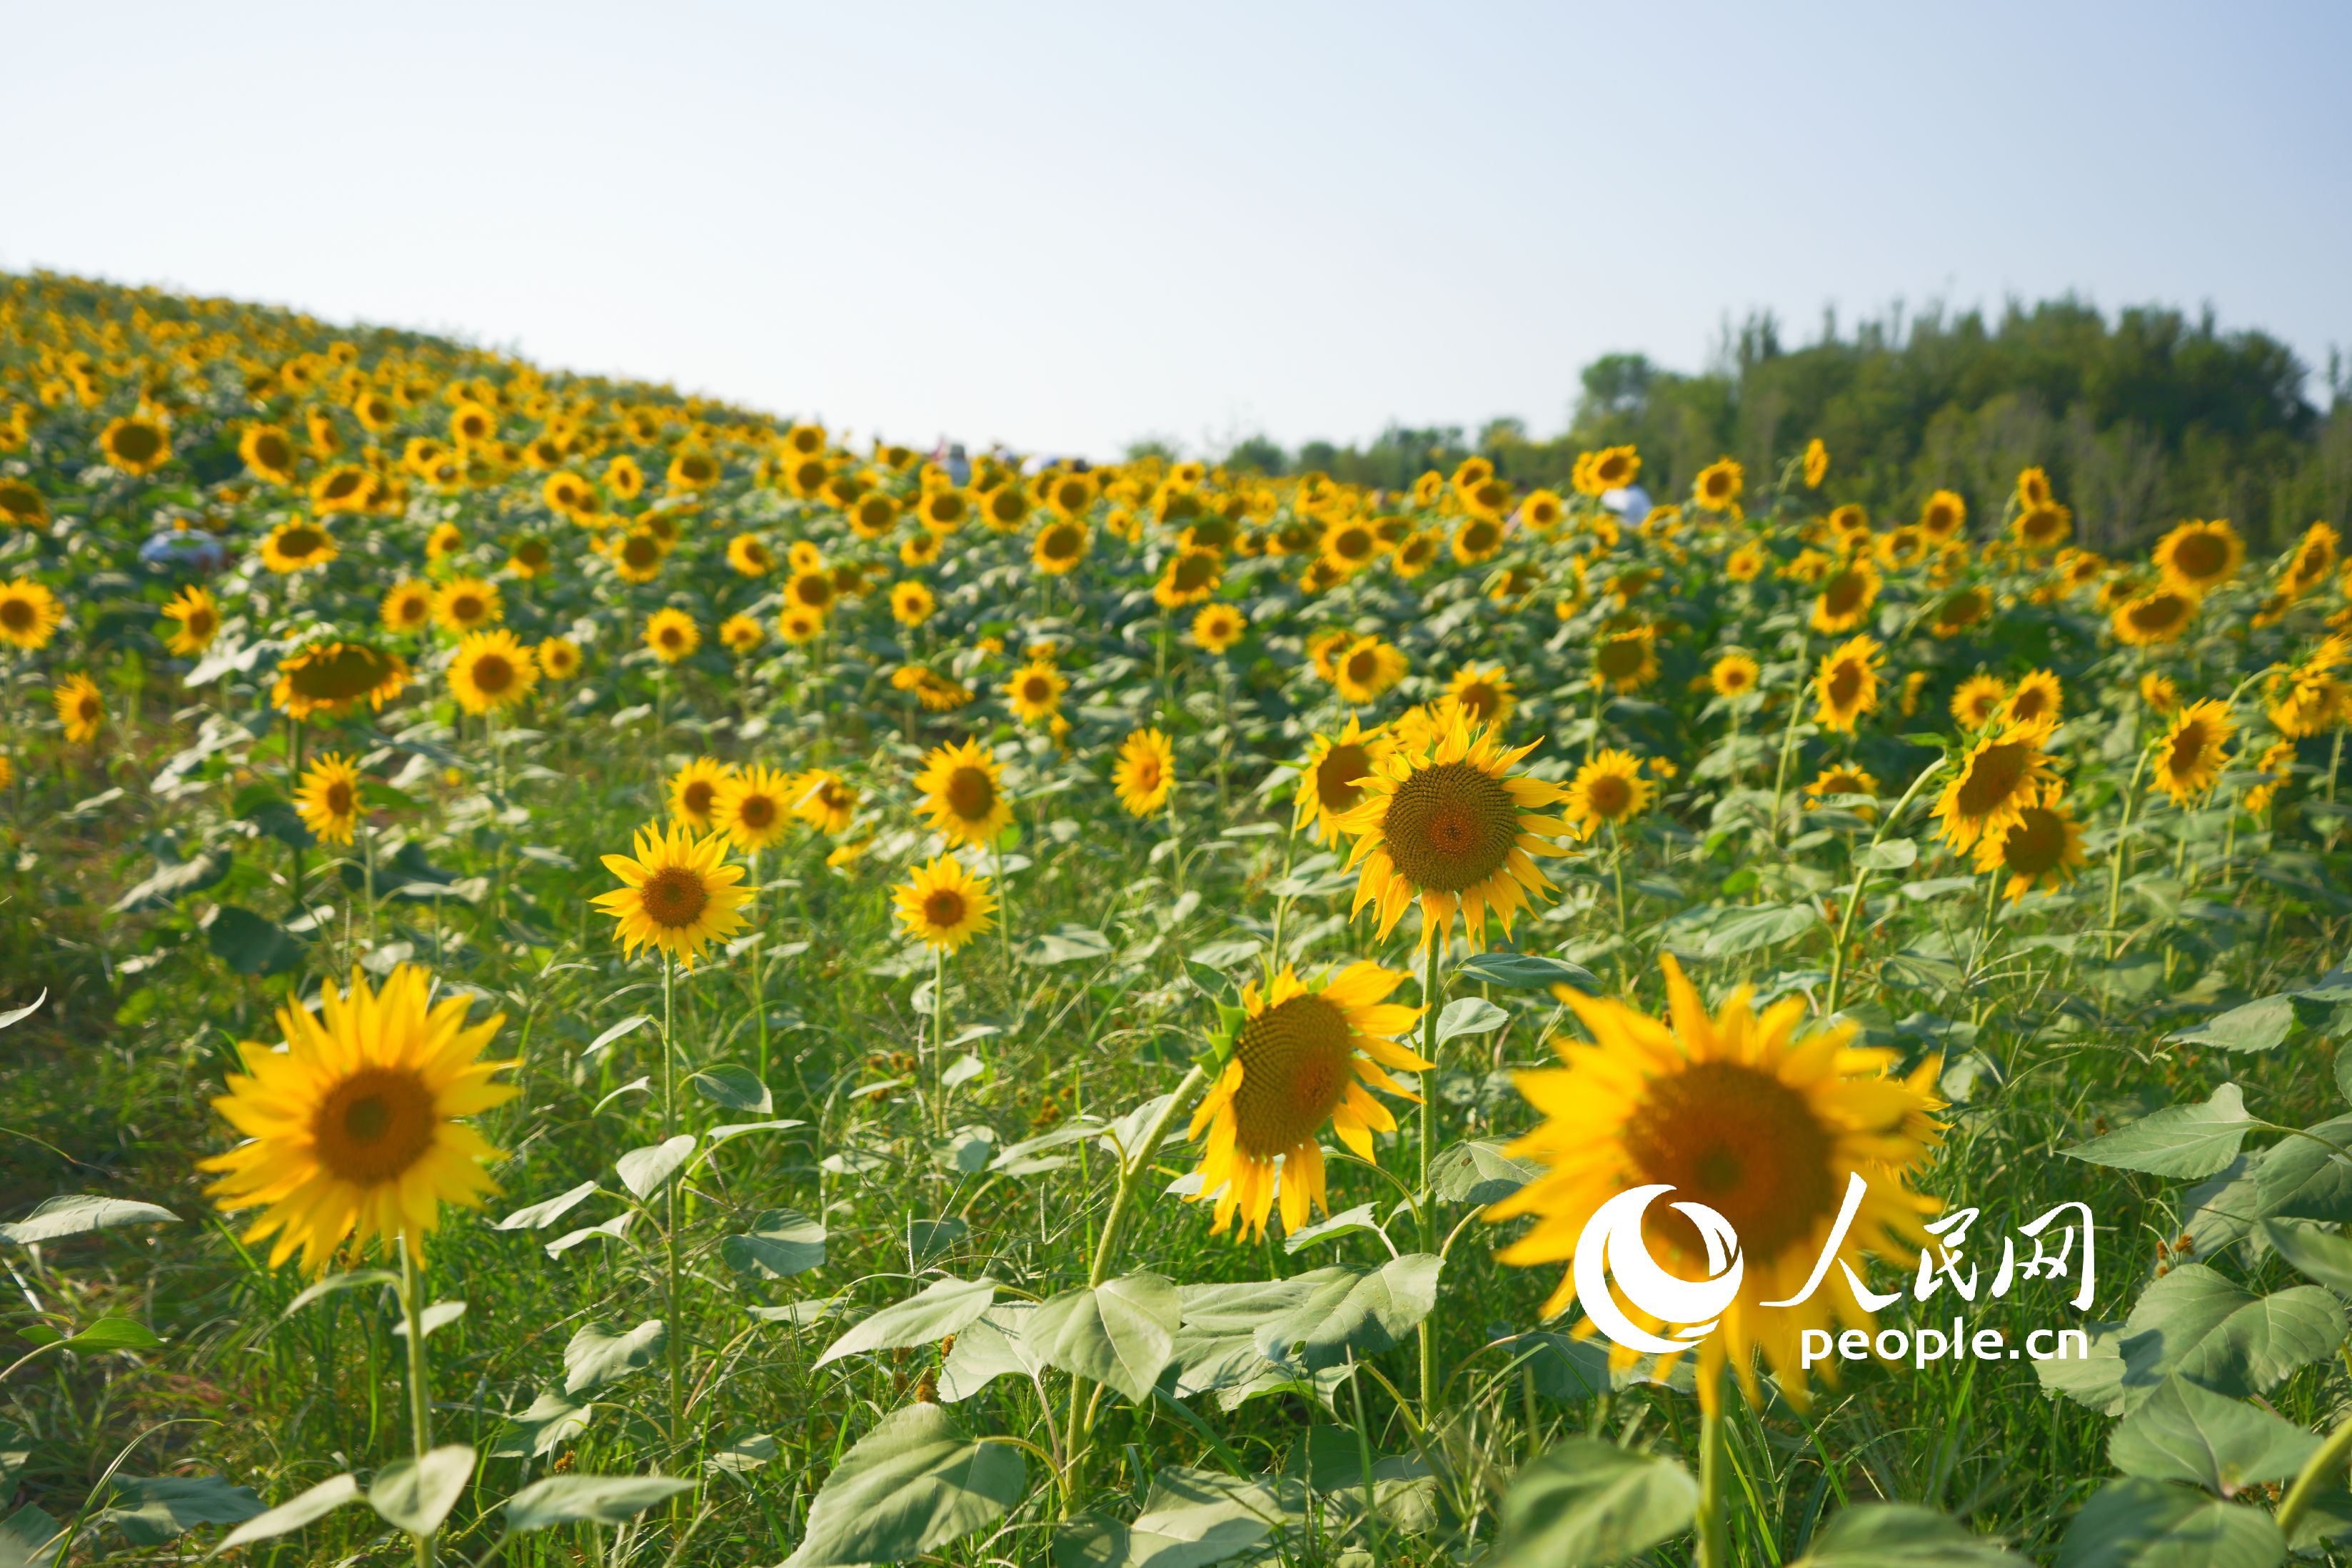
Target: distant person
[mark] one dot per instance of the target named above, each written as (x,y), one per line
(1630,502)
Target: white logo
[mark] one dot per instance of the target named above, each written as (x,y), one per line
(1613,1244)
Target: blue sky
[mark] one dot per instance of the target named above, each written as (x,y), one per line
(1063,228)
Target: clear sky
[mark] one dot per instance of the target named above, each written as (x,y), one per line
(1065,227)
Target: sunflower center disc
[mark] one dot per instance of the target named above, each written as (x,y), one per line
(696,798)
(755,811)
(943,909)
(1740,1141)
(674,896)
(1992,777)
(1450,826)
(493,674)
(1296,1062)
(1335,781)
(970,794)
(339,799)
(2036,844)
(373,1125)
(16,614)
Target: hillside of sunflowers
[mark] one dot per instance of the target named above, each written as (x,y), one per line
(593,976)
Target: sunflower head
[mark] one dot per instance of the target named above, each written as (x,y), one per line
(1034,691)
(329,800)
(1606,791)
(942,905)
(80,709)
(331,679)
(353,1128)
(1627,659)
(672,634)
(465,604)
(196,617)
(694,791)
(1999,776)
(2041,848)
(1218,628)
(753,807)
(2199,556)
(1734,675)
(1846,684)
(2189,758)
(1144,775)
(963,792)
(1366,668)
(135,443)
(1980,700)
(2159,615)
(491,670)
(559,657)
(677,893)
(1484,692)
(824,800)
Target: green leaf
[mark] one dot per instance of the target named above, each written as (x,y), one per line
(2187,1140)
(941,1308)
(2184,1431)
(29,1539)
(1343,1310)
(2261,1025)
(1357,1221)
(1562,1368)
(596,1355)
(2343,1071)
(551,1421)
(2303,1177)
(15,1016)
(1589,1501)
(152,1509)
(910,1485)
(293,1513)
(626,1025)
(643,1171)
(540,1215)
(1120,1334)
(174,880)
(417,1495)
(2194,1322)
(593,1500)
(250,944)
(334,1284)
(1766,926)
(1476,1170)
(437,1316)
(114,1334)
(260,803)
(1067,944)
(76,1213)
(1191,1518)
(1903,1535)
(736,1088)
(1529,972)
(994,1345)
(1469,1015)
(1887,854)
(780,1244)
(2134,1522)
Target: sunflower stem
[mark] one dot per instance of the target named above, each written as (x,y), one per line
(758,955)
(2115,860)
(1789,736)
(2325,1462)
(1430,997)
(420,1395)
(294,790)
(1713,1536)
(1861,876)
(940,1037)
(674,1338)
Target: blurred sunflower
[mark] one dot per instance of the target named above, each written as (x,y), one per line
(752,806)
(1999,775)
(21,506)
(1301,1056)
(638,557)
(531,558)
(740,634)
(491,670)
(2189,758)
(1817,463)
(1218,628)
(2199,556)
(1958,610)
(1060,546)
(465,605)
(1034,691)
(2043,527)
(1445,820)
(963,795)
(2153,617)
(672,634)
(919,550)
(351,1127)
(1942,515)
(80,708)
(911,602)
(2038,698)
(797,625)
(293,547)
(1477,539)
(1484,692)
(347,486)
(1845,598)
(749,555)
(1330,776)
(559,657)
(329,799)
(1767,1120)
(2041,849)
(1980,700)
(470,424)
(1845,686)
(1841,779)
(942,511)
(1718,485)
(873,516)
(1145,774)
(136,444)
(1367,668)
(942,905)
(1190,576)
(623,477)
(823,800)
(269,451)
(196,615)
(1606,791)
(1627,660)
(811,590)
(1744,565)
(678,893)
(694,790)
(1414,554)
(330,679)
(1734,675)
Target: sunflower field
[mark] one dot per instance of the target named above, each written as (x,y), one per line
(591,976)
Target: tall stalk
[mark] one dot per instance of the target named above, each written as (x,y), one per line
(420,1393)
(676,1337)
(1431,997)
(1713,1532)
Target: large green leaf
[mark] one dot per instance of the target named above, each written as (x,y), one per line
(597,1499)
(2317,1255)
(736,1088)
(29,1538)
(1120,1334)
(2189,1141)
(2260,1025)
(911,1484)
(2184,1431)
(941,1308)
(1903,1535)
(152,1509)
(780,1244)
(1347,1310)
(596,1355)
(1529,972)
(551,1421)
(250,944)
(643,1171)
(2303,1177)
(2134,1522)
(1768,926)
(1476,1170)
(1191,1518)
(295,1512)
(994,1345)
(1589,1501)
(1469,1015)
(2198,1323)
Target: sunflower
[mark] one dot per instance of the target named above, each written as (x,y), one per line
(2313,559)
(823,800)
(2199,556)
(346,487)
(942,511)
(471,424)
(1942,515)
(911,604)
(1478,538)
(1841,779)
(740,634)
(1764,1119)
(1190,575)
(1061,545)
(2189,758)
(491,670)
(749,555)
(753,807)
(942,905)
(465,604)
(559,657)
(1847,595)
(2033,487)
(1958,610)
(1734,675)
(1718,485)
(1745,564)
(293,547)
(1817,463)
(1414,554)
(1846,684)
(1610,789)
(331,679)
(1999,776)
(694,790)
(623,477)
(1301,1056)
(1980,699)
(446,540)
(1484,692)
(2157,616)
(2041,849)
(80,707)
(1034,692)
(135,443)
(1145,774)
(678,893)
(351,1127)
(329,800)
(529,558)
(961,793)
(29,613)
(812,590)
(672,634)
(2037,699)
(1352,546)
(797,625)
(1217,627)
(1330,776)
(873,516)
(1367,668)
(269,451)
(2044,526)
(197,615)
(1627,660)
(638,557)
(21,506)
(1443,818)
